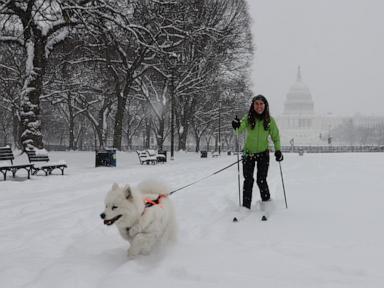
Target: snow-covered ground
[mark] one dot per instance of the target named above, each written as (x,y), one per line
(331,235)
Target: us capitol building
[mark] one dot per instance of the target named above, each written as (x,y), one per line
(300,125)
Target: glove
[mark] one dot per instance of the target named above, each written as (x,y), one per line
(236,123)
(279,157)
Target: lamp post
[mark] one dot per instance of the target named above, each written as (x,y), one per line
(329,135)
(219,126)
(173,61)
(172,113)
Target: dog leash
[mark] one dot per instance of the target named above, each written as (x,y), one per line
(205,177)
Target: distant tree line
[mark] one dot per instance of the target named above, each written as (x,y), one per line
(84,73)
(353,132)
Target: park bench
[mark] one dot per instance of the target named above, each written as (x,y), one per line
(145,158)
(160,157)
(6,154)
(215,154)
(42,156)
(162,153)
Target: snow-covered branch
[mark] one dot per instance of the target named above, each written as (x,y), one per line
(12,39)
(56,39)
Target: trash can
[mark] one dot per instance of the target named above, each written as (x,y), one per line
(162,156)
(106,157)
(203,154)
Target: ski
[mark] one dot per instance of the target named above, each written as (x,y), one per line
(264,218)
(265,208)
(239,219)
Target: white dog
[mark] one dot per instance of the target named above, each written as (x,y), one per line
(144,215)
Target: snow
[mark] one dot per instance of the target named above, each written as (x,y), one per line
(55,39)
(46,27)
(30,57)
(41,152)
(330,236)
(4,163)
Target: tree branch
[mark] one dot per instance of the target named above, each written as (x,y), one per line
(12,39)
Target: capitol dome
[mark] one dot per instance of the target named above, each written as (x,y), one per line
(299,99)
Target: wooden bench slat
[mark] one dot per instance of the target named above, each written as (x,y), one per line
(6,154)
(5,149)
(38,159)
(6,157)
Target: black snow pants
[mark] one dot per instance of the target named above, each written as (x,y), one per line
(262,161)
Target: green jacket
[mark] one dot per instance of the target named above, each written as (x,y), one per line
(257,138)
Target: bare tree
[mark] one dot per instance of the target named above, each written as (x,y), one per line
(219,40)
(37,26)
(118,65)
(11,81)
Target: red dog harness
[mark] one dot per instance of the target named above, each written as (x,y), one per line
(149,202)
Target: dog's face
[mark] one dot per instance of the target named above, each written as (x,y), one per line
(120,207)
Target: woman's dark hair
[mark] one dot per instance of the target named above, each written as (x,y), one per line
(252,115)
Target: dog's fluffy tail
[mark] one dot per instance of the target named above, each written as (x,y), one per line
(153,187)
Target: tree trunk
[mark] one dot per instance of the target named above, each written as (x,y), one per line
(208,141)
(197,148)
(197,141)
(5,133)
(33,84)
(71,134)
(160,134)
(129,142)
(185,122)
(16,127)
(101,128)
(183,139)
(120,109)
(119,118)
(121,103)
(99,139)
(147,135)
(71,124)
(216,143)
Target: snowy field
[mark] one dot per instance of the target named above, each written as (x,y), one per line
(51,234)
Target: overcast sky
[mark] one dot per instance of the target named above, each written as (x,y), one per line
(339,45)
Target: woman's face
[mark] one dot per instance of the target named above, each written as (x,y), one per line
(259,106)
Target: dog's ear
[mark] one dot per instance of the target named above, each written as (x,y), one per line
(127,192)
(115,186)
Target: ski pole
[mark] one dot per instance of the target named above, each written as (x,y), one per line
(238,165)
(282,181)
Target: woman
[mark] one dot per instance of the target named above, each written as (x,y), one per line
(259,125)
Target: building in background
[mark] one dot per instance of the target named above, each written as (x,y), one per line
(299,123)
